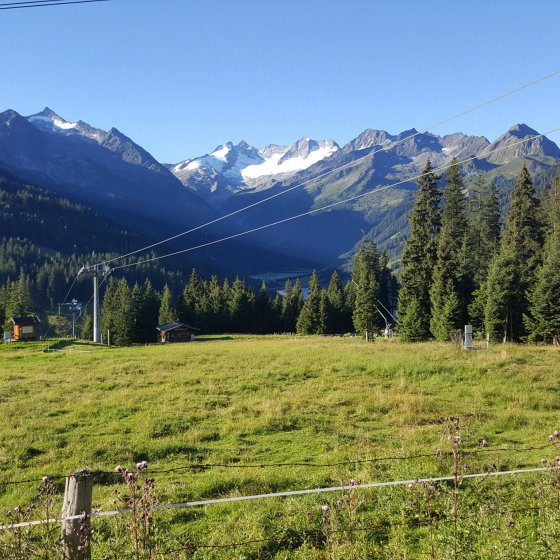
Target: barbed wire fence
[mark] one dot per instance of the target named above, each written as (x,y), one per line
(83,517)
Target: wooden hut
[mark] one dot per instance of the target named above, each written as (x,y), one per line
(24,328)
(177,332)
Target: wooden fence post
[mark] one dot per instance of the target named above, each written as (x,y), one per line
(76,532)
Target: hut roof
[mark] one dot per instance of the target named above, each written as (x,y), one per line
(25,321)
(173,326)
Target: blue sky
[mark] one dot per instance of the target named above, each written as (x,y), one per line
(182,76)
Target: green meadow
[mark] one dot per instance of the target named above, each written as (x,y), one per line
(340,408)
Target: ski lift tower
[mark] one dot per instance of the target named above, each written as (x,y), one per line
(96,271)
(74,306)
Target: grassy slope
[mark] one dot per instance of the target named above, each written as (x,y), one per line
(266,399)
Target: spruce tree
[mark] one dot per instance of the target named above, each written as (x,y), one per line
(420,255)
(123,318)
(109,309)
(309,320)
(263,322)
(450,293)
(325,313)
(86,331)
(484,238)
(512,273)
(543,318)
(365,276)
(365,314)
(288,316)
(147,321)
(412,323)
(485,227)
(336,319)
(167,311)
(190,297)
(292,304)
(3,299)
(19,297)
(240,307)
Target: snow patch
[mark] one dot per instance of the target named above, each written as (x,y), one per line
(272,165)
(221,153)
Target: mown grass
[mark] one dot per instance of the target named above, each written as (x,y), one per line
(269,399)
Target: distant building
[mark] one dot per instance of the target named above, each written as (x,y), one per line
(24,328)
(177,332)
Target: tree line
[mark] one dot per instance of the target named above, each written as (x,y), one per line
(131,314)
(460,266)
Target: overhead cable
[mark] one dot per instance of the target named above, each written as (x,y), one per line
(342,167)
(328,206)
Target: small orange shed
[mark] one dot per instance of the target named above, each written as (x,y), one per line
(24,328)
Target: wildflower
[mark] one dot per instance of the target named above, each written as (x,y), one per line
(482,443)
(410,485)
(17,509)
(510,523)
(143,465)
(556,434)
(118,468)
(439,453)
(46,480)
(352,482)
(551,438)
(543,461)
(325,509)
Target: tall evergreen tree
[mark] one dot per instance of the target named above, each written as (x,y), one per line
(412,324)
(240,306)
(420,252)
(543,319)
(292,304)
(148,316)
(309,320)
(512,273)
(190,297)
(365,276)
(485,227)
(123,319)
(167,311)
(109,309)
(86,331)
(263,320)
(483,243)
(19,297)
(450,293)
(336,319)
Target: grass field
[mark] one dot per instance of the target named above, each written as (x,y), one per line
(274,399)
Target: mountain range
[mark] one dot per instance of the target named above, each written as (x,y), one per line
(113,175)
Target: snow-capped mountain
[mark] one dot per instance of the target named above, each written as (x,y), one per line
(233,168)
(114,175)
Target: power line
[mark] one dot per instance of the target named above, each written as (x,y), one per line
(44,4)
(342,167)
(328,206)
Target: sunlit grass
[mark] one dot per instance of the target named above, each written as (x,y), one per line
(265,400)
